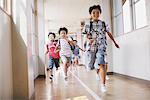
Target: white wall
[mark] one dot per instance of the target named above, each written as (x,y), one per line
(41,36)
(133,57)
(22,46)
(6,89)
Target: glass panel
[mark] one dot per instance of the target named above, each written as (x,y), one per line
(8,6)
(127,16)
(14,11)
(23,25)
(2,3)
(140,13)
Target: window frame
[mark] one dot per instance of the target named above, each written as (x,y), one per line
(133,15)
(6,7)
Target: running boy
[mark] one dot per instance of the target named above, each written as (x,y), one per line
(76,53)
(53,56)
(65,50)
(98,31)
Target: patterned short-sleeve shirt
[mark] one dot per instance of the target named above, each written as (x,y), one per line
(98,31)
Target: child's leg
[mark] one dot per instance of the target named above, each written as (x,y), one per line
(51,64)
(93,57)
(65,64)
(100,64)
(102,72)
(77,61)
(106,66)
(56,61)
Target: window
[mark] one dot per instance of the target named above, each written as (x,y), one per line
(140,13)
(2,3)
(117,17)
(134,14)
(5,5)
(14,11)
(126,16)
(8,6)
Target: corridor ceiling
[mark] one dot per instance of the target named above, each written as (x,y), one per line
(68,13)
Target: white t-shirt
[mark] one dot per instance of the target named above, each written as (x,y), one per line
(65,48)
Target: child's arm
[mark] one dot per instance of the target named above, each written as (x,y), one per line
(57,47)
(85,43)
(112,38)
(46,49)
(81,49)
(70,41)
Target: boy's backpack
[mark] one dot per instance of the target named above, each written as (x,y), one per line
(94,47)
(103,25)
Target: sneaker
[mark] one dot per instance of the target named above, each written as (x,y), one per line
(103,88)
(88,69)
(66,78)
(107,78)
(98,77)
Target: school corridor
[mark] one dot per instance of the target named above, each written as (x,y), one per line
(24,32)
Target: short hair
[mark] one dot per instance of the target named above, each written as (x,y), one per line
(75,40)
(63,29)
(52,34)
(95,7)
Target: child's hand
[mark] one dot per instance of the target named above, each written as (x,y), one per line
(57,50)
(117,46)
(46,52)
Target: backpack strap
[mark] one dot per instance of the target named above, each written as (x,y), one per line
(91,26)
(104,26)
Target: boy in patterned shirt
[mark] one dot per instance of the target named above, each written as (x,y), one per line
(98,29)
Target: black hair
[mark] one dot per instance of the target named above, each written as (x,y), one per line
(52,34)
(95,7)
(63,29)
(72,38)
(75,40)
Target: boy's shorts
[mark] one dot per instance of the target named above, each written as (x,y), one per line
(53,61)
(100,59)
(75,57)
(65,59)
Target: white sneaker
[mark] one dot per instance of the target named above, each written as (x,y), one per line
(98,78)
(107,78)
(88,69)
(66,80)
(103,88)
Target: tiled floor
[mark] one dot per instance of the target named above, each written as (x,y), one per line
(82,85)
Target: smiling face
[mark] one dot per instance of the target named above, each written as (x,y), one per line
(95,14)
(63,33)
(51,37)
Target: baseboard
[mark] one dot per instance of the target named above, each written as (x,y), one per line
(142,81)
(110,73)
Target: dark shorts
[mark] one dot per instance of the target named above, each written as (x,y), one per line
(53,61)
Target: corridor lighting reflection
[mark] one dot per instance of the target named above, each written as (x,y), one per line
(78,98)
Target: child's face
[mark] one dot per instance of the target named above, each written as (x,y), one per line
(75,42)
(63,33)
(51,37)
(95,14)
